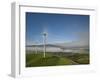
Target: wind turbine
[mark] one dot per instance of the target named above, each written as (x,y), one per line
(36,48)
(44,41)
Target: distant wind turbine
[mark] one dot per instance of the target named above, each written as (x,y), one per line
(36,47)
(44,41)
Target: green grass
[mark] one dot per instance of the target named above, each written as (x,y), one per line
(34,60)
(80,58)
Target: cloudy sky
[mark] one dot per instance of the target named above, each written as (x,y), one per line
(61,28)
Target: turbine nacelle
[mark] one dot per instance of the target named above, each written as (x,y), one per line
(45,33)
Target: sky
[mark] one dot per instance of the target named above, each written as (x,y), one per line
(61,28)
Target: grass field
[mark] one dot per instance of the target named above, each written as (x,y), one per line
(55,59)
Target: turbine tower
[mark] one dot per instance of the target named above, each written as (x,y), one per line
(44,41)
(36,48)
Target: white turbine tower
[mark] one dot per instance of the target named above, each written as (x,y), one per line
(44,41)
(36,48)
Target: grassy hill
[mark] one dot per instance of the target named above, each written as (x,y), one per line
(34,60)
(37,60)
